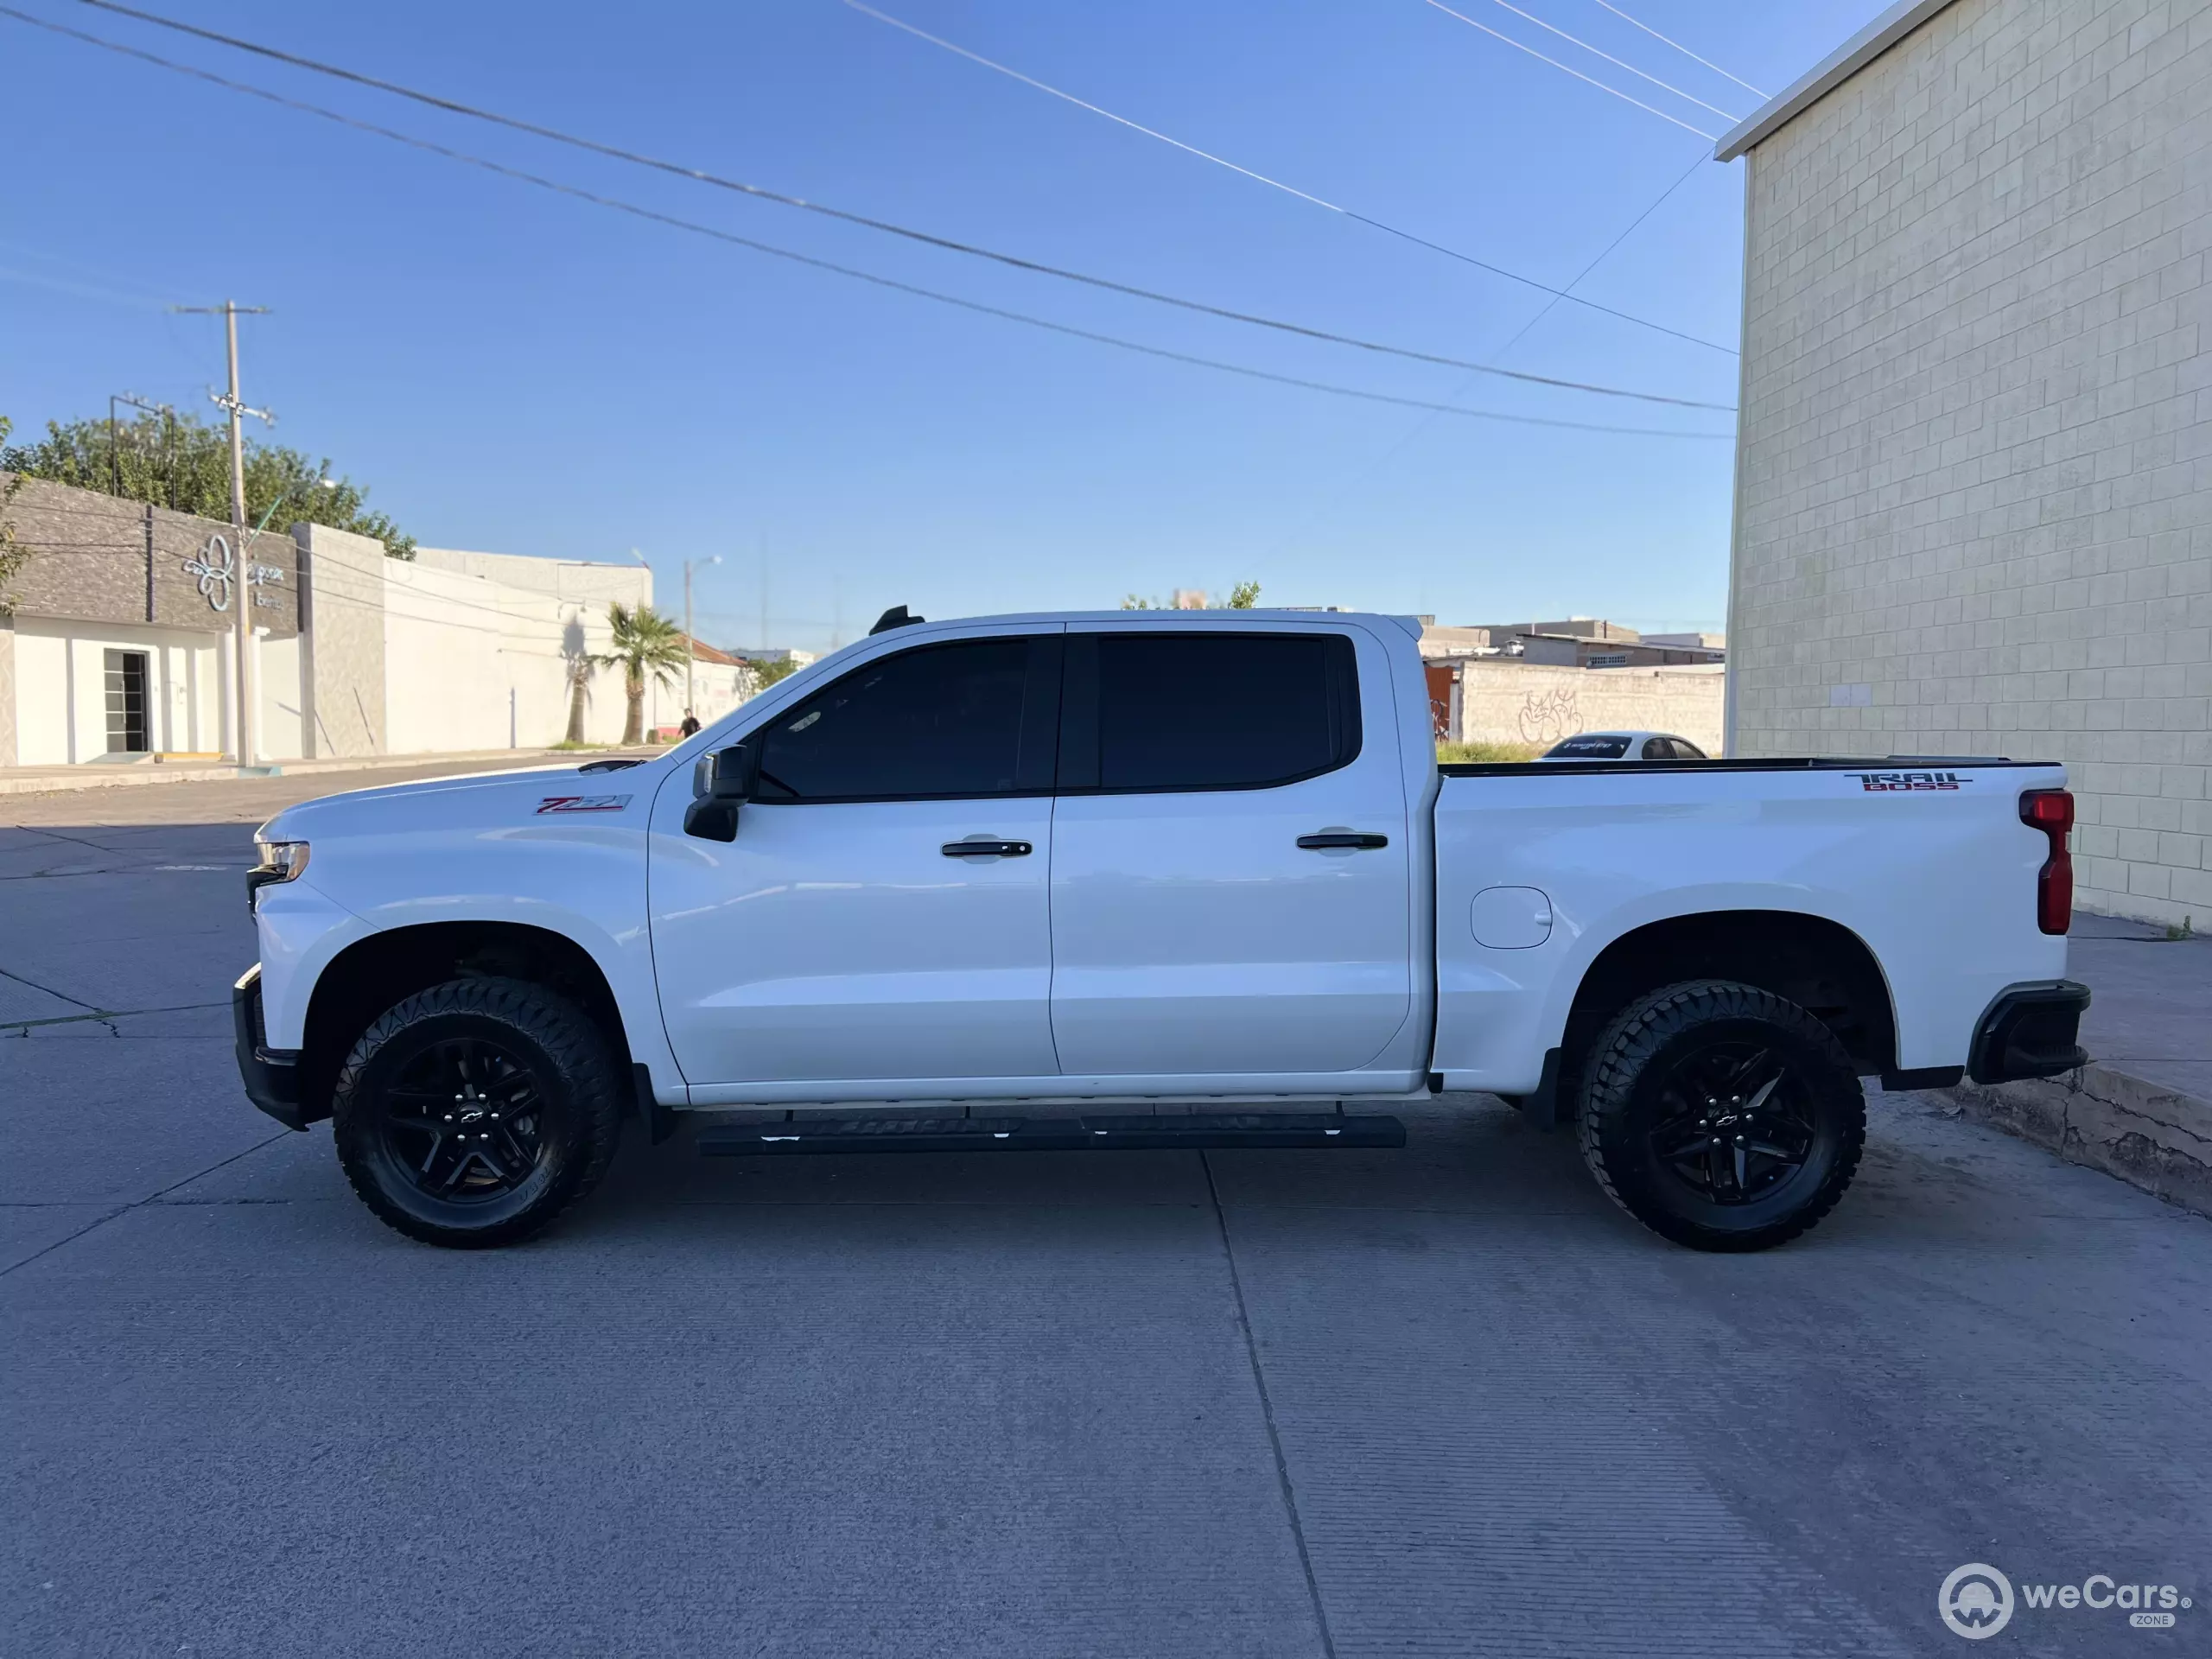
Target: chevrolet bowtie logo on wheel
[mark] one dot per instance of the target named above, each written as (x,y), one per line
(1975,1601)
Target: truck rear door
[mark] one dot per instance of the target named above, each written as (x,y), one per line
(1230,881)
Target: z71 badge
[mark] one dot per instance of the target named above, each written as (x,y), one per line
(583,803)
(1891,780)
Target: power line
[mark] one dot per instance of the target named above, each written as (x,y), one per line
(928,238)
(80,290)
(1617,62)
(1605,252)
(1518,47)
(1422,424)
(1277,184)
(619,205)
(1684,50)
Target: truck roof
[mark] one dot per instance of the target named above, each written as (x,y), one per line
(1210,619)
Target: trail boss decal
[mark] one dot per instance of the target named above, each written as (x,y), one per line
(583,803)
(1877,781)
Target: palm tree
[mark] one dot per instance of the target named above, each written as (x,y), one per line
(646,642)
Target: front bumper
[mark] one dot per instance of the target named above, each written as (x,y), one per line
(271,1075)
(2029,1032)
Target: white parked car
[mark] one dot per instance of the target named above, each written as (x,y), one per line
(1007,884)
(1624,746)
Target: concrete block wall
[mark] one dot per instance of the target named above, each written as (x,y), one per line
(1974,477)
(342,674)
(1522,703)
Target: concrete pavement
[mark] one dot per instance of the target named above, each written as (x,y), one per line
(1445,1400)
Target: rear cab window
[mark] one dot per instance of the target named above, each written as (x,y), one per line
(1185,709)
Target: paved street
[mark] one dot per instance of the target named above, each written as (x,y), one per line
(1440,1401)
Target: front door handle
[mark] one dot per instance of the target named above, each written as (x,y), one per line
(980,848)
(1329,840)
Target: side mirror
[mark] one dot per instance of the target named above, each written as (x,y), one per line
(737,769)
(723,782)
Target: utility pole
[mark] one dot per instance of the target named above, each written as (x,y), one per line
(690,707)
(241,578)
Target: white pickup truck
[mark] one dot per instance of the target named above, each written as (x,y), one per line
(1138,879)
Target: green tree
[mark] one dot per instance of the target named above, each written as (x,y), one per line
(767,670)
(645,643)
(13,557)
(189,467)
(1242,597)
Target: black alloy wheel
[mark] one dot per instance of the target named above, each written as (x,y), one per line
(1720,1115)
(474,1113)
(465,1118)
(1739,1125)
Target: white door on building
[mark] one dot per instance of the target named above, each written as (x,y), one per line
(845,933)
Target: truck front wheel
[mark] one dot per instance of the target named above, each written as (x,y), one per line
(472,1114)
(1720,1115)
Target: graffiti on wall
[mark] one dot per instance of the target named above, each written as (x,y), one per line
(1547,717)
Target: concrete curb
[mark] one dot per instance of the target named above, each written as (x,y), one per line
(2148,1135)
(62,780)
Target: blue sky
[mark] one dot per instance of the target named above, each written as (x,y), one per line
(512,370)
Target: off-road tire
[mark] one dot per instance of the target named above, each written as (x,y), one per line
(1632,1085)
(577,1116)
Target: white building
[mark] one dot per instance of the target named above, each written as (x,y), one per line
(1973,473)
(121,645)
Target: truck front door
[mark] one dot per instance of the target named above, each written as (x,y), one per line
(1230,856)
(883,912)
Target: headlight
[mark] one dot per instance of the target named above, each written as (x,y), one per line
(279,861)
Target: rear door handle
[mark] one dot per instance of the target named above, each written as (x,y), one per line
(987,849)
(1365,841)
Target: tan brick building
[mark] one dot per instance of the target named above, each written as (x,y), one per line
(1973,479)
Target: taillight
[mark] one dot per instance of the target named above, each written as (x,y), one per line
(2051,811)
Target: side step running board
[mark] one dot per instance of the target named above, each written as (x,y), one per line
(1317,1129)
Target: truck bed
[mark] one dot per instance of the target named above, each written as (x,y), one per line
(1914,871)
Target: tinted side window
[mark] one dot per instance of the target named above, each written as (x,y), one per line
(942,721)
(1658,748)
(1187,710)
(1688,751)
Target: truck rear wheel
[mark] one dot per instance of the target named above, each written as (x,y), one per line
(1720,1115)
(474,1113)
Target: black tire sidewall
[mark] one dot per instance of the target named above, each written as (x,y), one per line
(552,1038)
(1627,1074)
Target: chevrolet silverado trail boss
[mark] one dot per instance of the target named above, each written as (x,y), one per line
(1145,881)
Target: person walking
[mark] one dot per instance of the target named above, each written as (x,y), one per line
(691,723)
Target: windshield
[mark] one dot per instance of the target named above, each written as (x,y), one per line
(1594,747)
